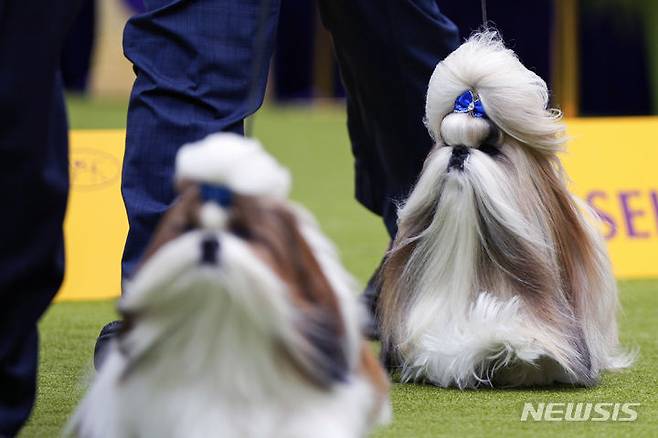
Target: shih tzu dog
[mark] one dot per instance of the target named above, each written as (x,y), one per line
(498,275)
(240,322)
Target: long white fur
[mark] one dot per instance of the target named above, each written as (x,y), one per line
(454,330)
(213,334)
(449,331)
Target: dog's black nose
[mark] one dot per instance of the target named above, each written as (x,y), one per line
(458,157)
(209,250)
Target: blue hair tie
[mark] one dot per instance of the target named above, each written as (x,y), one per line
(222,195)
(468,102)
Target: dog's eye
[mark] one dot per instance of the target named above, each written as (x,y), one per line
(490,150)
(241,232)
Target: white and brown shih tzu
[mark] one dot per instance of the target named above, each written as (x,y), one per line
(240,321)
(498,275)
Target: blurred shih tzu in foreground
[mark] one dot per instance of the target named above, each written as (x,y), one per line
(240,322)
(498,275)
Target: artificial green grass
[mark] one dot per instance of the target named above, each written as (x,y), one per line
(313,143)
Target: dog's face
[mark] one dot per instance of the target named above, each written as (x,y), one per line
(267,227)
(269,231)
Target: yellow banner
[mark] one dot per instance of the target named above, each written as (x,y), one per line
(613,165)
(96,225)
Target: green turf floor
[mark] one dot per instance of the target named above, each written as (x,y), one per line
(313,143)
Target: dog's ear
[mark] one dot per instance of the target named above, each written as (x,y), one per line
(179,218)
(391,276)
(574,246)
(586,277)
(391,298)
(274,233)
(322,324)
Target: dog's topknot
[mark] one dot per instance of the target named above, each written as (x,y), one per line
(238,163)
(515,99)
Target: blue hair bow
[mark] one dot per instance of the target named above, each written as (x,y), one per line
(468,102)
(222,195)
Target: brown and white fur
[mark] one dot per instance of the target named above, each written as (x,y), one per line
(240,322)
(498,275)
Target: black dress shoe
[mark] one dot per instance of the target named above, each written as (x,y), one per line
(109,332)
